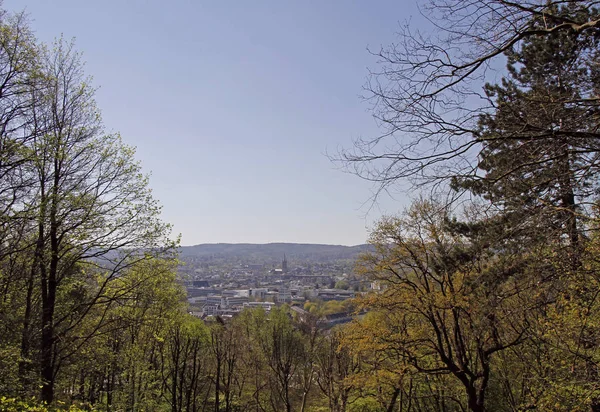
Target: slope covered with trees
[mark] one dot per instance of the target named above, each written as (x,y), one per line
(273,252)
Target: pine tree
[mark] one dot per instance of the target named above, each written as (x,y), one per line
(540,151)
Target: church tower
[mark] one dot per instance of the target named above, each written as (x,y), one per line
(284,265)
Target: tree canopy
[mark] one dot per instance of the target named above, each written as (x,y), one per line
(487,304)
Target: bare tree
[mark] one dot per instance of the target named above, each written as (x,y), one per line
(427,92)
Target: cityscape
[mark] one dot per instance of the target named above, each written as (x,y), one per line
(216,288)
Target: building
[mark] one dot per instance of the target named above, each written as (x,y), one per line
(258,293)
(216,300)
(265,305)
(210,310)
(284,264)
(284,295)
(235,301)
(334,294)
(301,313)
(195,292)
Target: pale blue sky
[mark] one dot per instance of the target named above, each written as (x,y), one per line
(232,105)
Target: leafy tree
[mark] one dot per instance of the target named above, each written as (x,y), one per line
(94,210)
(115,355)
(450,305)
(335,364)
(497,285)
(284,352)
(310,339)
(19,76)
(224,345)
(184,365)
(253,363)
(341,284)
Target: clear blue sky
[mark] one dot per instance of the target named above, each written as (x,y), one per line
(232,105)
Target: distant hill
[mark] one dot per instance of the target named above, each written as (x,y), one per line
(273,251)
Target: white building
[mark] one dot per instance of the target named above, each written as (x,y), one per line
(284,295)
(265,305)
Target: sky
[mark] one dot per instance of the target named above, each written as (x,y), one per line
(233,106)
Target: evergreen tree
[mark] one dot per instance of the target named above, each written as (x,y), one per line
(540,147)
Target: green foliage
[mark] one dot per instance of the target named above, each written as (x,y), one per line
(365,404)
(537,162)
(492,306)
(341,284)
(495,309)
(16,405)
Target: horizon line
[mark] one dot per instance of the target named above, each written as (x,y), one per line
(273,243)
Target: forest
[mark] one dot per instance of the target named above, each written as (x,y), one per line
(489,281)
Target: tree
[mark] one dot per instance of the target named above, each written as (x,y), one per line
(19,74)
(225,355)
(310,339)
(527,149)
(95,215)
(539,153)
(283,349)
(341,284)
(80,236)
(185,366)
(335,365)
(426,94)
(451,305)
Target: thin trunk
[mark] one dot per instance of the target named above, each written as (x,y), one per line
(175,376)
(303,404)
(288,405)
(47,343)
(218,383)
(49,286)
(24,361)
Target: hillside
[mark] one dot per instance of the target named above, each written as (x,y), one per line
(269,252)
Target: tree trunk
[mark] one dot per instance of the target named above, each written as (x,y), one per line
(47,343)
(390,407)
(24,362)
(474,403)
(217,384)
(49,286)
(303,405)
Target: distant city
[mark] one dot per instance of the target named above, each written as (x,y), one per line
(224,279)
